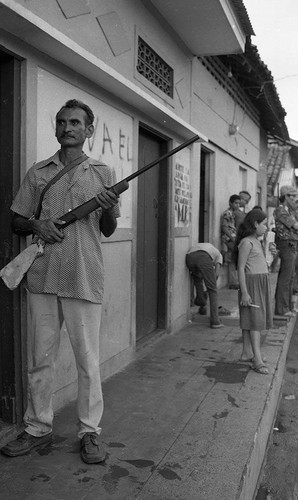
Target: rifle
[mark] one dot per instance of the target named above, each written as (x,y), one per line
(13,273)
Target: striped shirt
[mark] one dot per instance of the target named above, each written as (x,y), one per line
(73,268)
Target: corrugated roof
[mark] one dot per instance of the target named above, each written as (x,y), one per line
(256,80)
(243,18)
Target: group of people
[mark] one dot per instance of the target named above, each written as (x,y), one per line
(244,250)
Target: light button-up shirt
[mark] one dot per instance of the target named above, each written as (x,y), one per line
(73,268)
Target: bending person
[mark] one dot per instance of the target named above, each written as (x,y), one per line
(203,261)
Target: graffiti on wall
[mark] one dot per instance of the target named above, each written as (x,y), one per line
(182,195)
(120,146)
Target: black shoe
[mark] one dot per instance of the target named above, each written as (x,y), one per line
(203,310)
(24,443)
(222,311)
(92,450)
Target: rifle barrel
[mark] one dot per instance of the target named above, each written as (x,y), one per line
(91,205)
(164,157)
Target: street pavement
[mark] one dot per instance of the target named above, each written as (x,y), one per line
(279,480)
(186,420)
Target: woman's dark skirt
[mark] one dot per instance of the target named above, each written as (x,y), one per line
(252,318)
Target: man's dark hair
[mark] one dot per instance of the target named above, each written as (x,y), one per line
(234,197)
(74,103)
(245,192)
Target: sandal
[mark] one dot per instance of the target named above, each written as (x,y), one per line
(262,369)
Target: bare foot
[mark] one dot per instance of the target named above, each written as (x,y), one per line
(251,359)
(245,357)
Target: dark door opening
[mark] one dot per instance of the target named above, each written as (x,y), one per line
(204,196)
(11,407)
(151,237)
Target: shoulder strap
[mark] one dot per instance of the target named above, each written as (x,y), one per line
(60,174)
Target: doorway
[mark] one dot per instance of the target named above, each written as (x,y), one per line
(11,406)
(204,207)
(152,232)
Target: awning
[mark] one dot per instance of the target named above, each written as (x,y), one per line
(207,27)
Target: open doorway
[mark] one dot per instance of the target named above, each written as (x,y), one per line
(11,402)
(152,231)
(204,207)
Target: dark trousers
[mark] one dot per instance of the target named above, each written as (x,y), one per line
(285,280)
(201,267)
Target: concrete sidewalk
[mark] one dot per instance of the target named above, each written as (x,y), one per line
(187,420)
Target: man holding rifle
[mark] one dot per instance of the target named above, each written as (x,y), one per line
(68,274)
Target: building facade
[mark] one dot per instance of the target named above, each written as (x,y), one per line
(150,72)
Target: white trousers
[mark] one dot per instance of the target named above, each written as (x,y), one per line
(82,320)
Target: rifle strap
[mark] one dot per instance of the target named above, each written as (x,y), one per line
(60,174)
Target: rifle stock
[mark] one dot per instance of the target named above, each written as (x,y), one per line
(15,270)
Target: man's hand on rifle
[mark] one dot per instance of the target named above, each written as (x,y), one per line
(48,231)
(44,229)
(107,199)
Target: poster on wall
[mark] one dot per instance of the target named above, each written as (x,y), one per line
(182,194)
(111,142)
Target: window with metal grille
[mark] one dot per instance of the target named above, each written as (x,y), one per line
(154,68)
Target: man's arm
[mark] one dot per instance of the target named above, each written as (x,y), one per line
(284,217)
(108,222)
(21,225)
(227,229)
(44,229)
(217,269)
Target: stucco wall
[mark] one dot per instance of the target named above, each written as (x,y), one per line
(214,110)
(181,285)
(110,32)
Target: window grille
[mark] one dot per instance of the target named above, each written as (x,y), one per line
(154,68)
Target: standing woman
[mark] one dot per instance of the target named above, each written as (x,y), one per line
(254,286)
